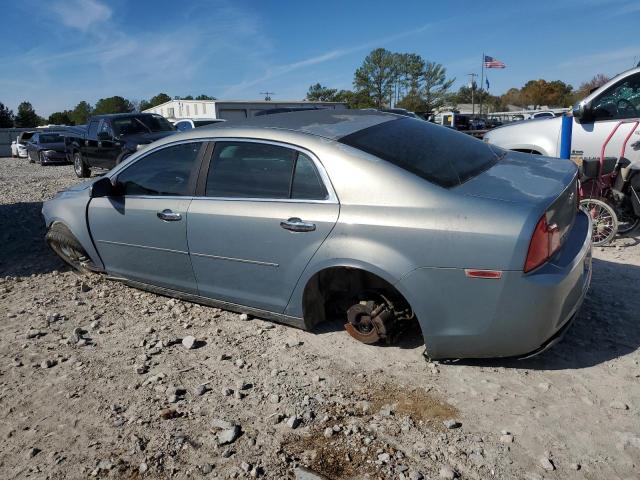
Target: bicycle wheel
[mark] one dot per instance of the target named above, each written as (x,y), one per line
(605,220)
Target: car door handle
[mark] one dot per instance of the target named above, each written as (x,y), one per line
(169,216)
(294,224)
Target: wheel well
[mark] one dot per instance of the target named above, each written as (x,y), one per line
(527,150)
(330,289)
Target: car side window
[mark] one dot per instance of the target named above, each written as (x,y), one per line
(250,170)
(93,129)
(105,127)
(307,184)
(166,172)
(620,101)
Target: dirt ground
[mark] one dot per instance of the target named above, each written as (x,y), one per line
(95,382)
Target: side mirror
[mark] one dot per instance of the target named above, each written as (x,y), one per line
(582,112)
(104,136)
(102,188)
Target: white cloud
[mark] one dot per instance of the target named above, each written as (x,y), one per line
(81,14)
(280,70)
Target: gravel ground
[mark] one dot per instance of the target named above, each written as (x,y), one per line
(97,379)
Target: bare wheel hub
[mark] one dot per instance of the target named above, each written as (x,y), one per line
(369,322)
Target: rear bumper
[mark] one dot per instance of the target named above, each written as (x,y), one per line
(515,316)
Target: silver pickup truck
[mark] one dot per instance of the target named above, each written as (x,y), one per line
(594,118)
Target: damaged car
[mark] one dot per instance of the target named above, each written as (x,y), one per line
(46,147)
(366,217)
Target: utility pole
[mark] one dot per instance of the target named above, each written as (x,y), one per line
(267,95)
(473,88)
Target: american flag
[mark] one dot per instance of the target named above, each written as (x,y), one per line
(490,62)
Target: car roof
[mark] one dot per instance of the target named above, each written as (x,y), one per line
(331,124)
(124,115)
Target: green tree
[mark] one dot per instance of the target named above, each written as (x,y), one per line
(154,101)
(6,116)
(375,78)
(408,70)
(412,101)
(435,86)
(26,116)
(319,93)
(114,104)
(81,113)
(61,118)
(205,97)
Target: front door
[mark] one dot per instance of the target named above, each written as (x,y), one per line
(90,146)
(619,102)
(264,211)
(141,234)
(108,147)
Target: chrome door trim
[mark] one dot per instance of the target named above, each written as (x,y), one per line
(115,171)
(332,197)
(232,259)
(143,246)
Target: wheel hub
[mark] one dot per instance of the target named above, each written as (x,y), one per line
(369,322)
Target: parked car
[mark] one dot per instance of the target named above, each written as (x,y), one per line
(46,147)
(21,144)
(16,148)
(110,139)
(545,114)
(275,217)
(477,124)
(188,123)
(594,118)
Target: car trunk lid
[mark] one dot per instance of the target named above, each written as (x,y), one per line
(549,185)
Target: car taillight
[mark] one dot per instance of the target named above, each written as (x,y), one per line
(544,243)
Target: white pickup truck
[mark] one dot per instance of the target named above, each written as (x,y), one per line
(594,118)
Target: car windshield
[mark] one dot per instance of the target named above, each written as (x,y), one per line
(439,155)
(141,124)
(51,138)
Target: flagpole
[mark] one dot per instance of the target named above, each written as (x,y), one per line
(481,83)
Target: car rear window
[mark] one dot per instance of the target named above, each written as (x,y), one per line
(440,155)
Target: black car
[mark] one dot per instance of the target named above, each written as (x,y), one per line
(46,147)
(110,139)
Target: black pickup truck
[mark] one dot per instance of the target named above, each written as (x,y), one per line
(109,139)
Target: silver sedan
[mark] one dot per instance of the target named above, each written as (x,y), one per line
(372,218)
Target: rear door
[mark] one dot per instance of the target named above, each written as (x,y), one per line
(142,233)
(262,212)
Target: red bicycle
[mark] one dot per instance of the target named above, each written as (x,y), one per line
(598,196)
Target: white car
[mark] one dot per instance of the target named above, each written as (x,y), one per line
(18,149)
(543,114)
(594,119)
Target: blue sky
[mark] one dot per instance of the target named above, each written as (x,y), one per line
(55,53)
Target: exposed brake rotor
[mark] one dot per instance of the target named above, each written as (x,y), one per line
(369,322)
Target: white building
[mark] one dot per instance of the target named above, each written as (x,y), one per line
(227,109)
